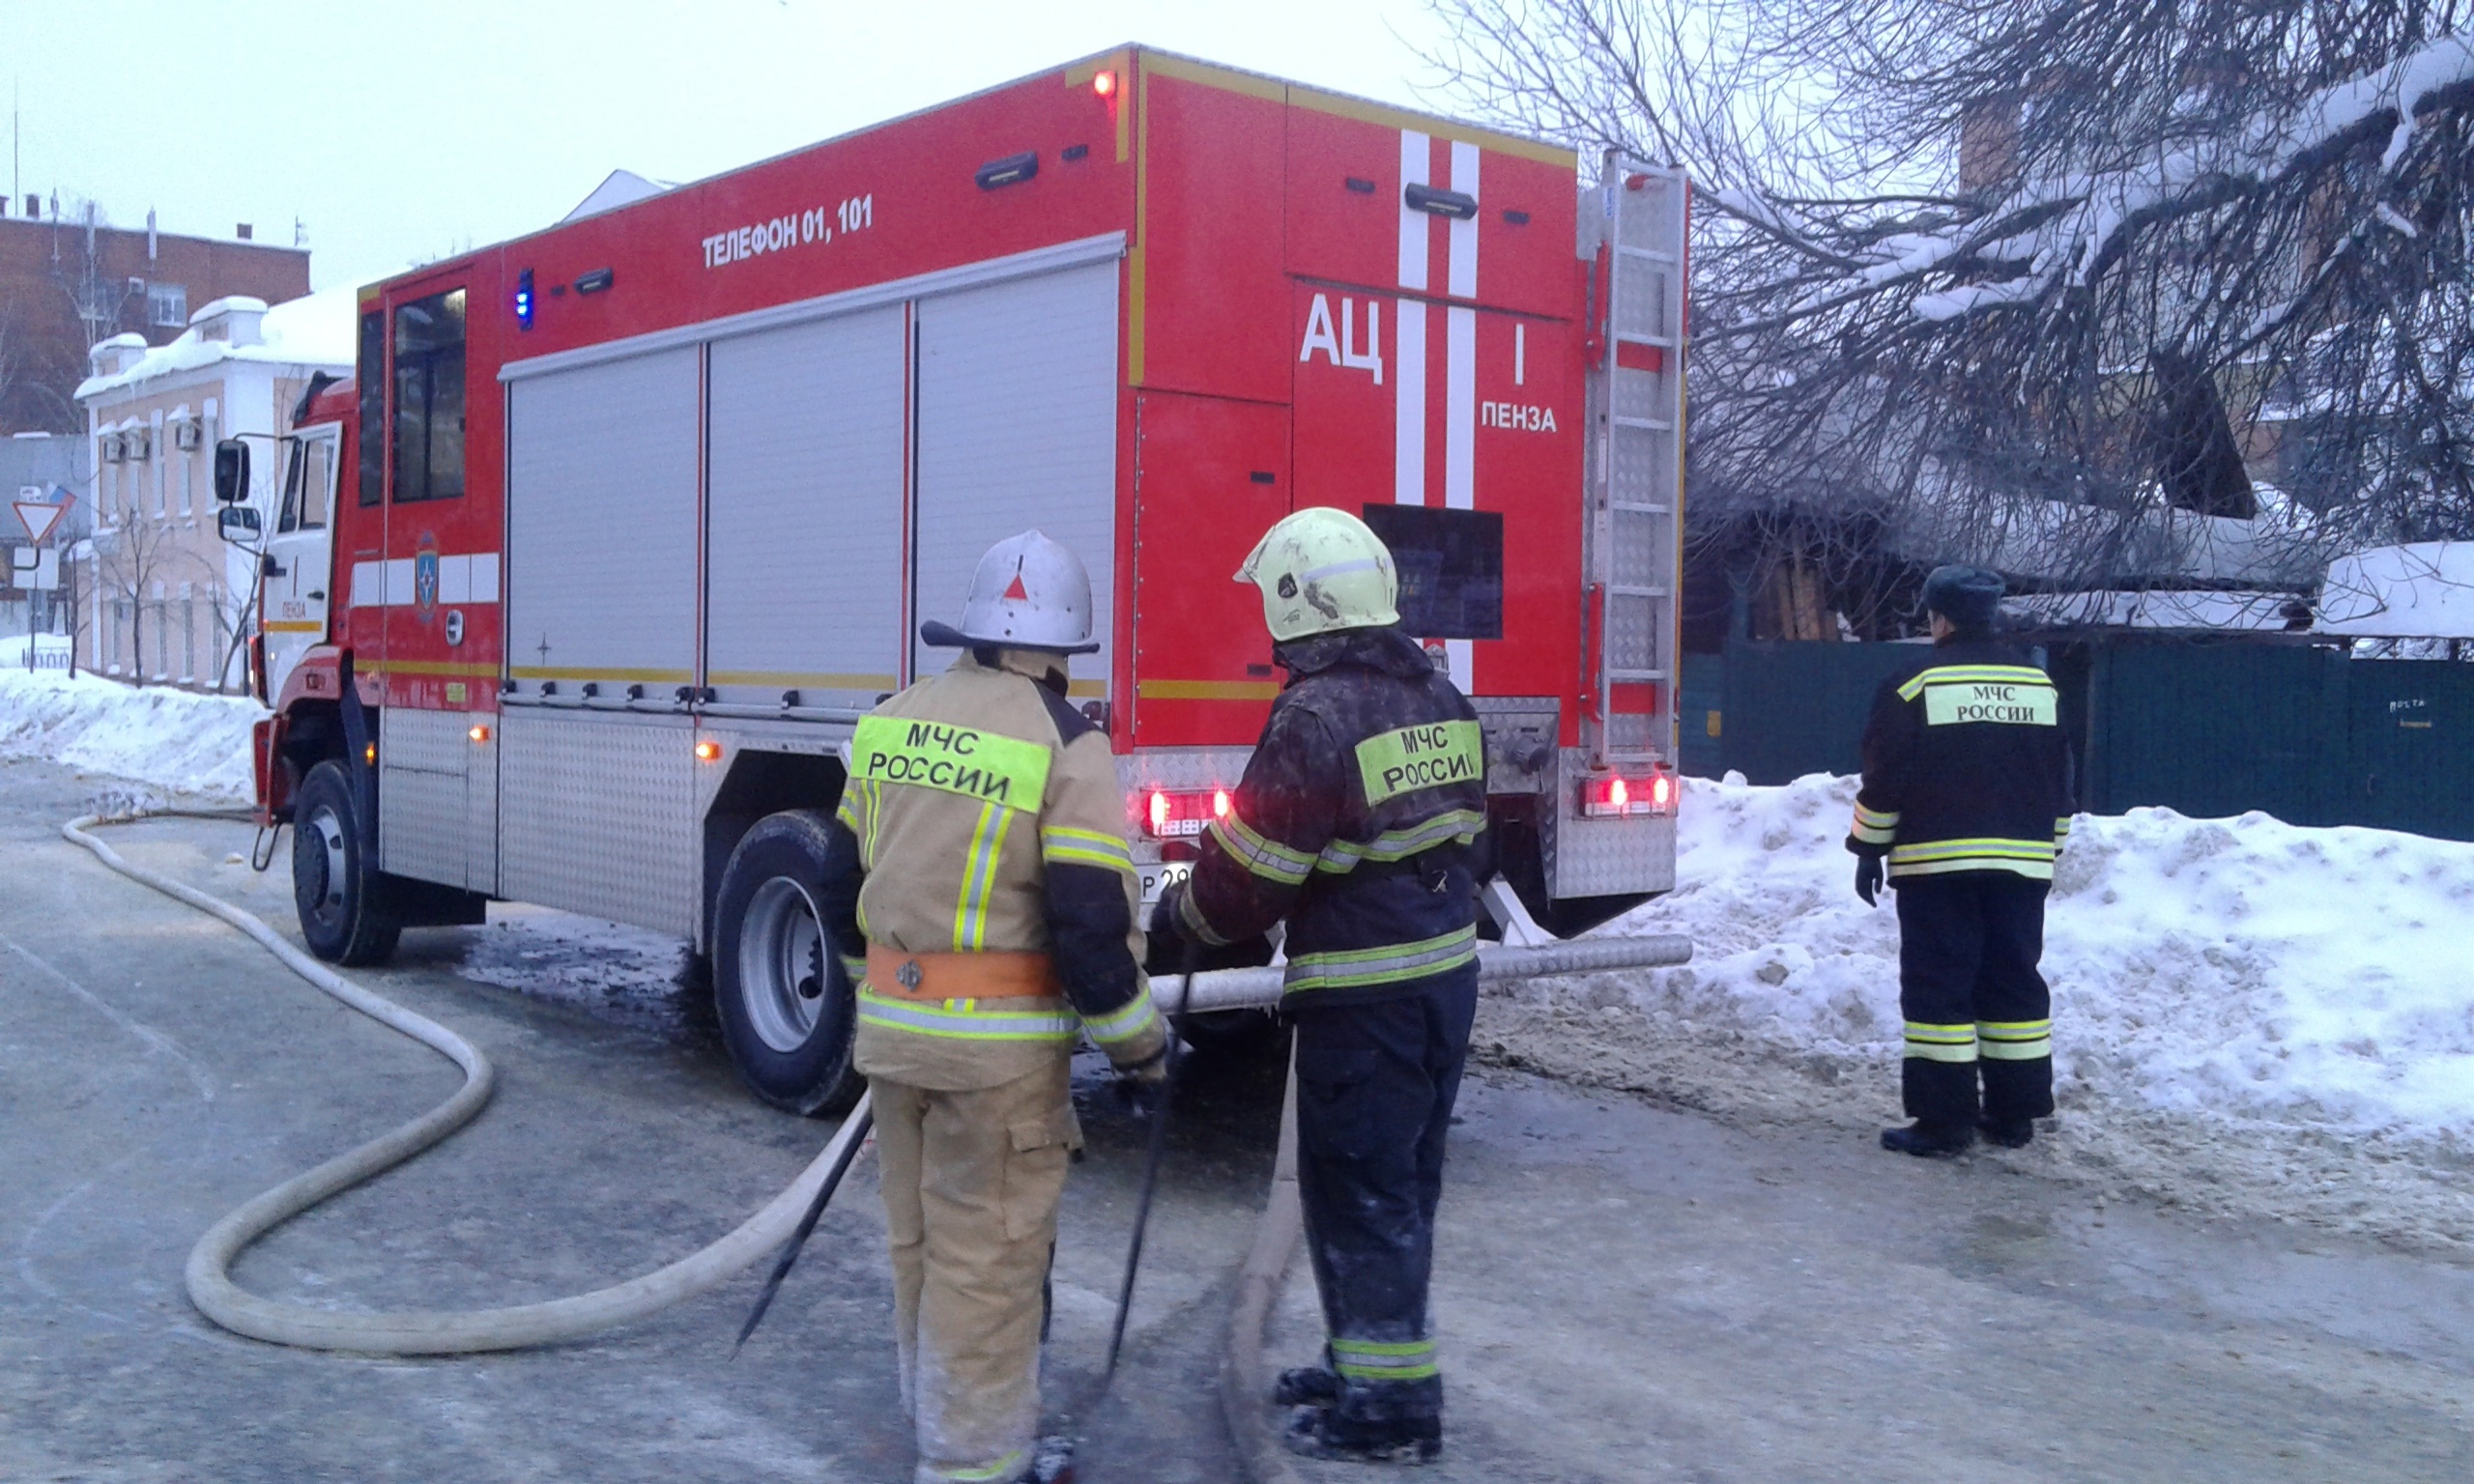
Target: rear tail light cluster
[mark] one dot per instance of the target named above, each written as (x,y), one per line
(1173,814)
(1614,796)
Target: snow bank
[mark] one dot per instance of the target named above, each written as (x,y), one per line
(178,740)
(2240,969)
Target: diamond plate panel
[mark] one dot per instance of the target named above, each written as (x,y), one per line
(1641,297)
(482,809)
(425,741)
(423,814)
(1600,857)
(598,816)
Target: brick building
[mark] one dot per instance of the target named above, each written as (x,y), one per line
(66,286)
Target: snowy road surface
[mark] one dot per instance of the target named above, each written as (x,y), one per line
(1627,1290)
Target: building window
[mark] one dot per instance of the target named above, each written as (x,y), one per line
(167,305)
(429,398)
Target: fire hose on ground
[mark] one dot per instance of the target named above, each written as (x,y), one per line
(426,1332)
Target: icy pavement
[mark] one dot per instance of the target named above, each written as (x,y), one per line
(1625,1294)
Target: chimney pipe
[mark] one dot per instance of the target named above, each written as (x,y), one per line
(243,231)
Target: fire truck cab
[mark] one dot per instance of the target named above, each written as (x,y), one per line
(621,527)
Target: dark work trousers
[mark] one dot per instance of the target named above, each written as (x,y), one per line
(1375,1083)
(1968,942)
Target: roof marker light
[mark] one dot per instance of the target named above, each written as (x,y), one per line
(1105,84)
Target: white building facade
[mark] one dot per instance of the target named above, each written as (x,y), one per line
(163,600)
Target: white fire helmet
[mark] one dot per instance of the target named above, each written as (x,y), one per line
(1322,570)
(1030,594)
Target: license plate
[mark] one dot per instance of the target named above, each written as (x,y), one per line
(1155,877)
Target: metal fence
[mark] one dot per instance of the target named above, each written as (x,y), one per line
(2300,731)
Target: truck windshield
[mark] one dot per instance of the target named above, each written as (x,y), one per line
(429,398)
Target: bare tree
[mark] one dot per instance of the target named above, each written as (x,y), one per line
(132,561)
(2002,274)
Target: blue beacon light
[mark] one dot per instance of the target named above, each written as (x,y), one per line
(524,299)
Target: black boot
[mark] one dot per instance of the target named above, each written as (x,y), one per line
(1320,1432)
(1307,1386)
(1052,1462)
(2009,1134)
(1928,1141)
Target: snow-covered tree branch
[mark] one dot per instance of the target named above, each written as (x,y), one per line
(1962,259)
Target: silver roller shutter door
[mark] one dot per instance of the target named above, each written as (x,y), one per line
(1018,400)
(596,807)
(601,524)
(804,541)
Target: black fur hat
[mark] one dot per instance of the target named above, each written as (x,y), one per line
(1967,596)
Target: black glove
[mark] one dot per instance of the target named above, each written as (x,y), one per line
(1868,876)
(1165,922)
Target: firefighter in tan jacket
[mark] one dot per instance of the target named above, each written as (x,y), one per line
(988,887)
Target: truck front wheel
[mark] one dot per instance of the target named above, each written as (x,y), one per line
(788,1009)
(340,896)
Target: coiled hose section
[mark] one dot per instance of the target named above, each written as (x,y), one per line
(424,1332)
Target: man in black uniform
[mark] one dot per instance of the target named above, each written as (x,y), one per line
(1361,820)
(1967,796)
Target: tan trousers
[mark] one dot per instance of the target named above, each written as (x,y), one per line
(971,1181)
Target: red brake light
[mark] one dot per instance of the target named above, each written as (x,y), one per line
(1173,814)
(1616,797)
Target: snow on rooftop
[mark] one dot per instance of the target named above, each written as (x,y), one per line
(2256,613)
(2422,589)
(315,329)
(620,188)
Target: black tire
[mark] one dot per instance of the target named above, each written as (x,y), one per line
(786,1007)
(341,897)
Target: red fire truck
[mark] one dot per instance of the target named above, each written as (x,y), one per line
(619,527)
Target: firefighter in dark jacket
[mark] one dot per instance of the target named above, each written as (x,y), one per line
(1967,798)
(1360,820)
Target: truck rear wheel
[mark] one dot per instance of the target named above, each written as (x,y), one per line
(787,1007)
(341,897)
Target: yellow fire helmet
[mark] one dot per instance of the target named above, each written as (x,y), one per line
(1322,570)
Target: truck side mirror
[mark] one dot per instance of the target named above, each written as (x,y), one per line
(231,474)
(237,523)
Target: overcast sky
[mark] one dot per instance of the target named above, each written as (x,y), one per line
(399,131)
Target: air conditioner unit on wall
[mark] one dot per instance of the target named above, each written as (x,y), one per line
(137,288)
(188,435)
(107,448)
(137,442)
